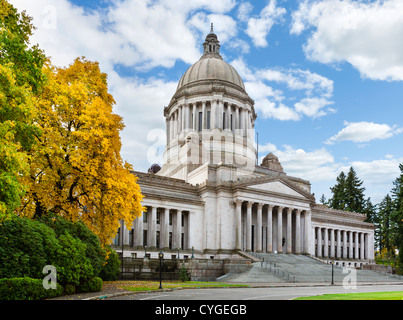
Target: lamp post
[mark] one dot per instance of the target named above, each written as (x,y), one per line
(161,256)
(332,263)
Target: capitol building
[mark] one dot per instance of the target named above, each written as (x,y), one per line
(212,199)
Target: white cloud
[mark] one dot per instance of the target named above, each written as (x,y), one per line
(270,103)
(317,165)
(136,34)
(258,28)
(366,34)
(364,132)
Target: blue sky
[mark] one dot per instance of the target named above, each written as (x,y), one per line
(326,75)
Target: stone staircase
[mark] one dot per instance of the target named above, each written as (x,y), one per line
(275,268)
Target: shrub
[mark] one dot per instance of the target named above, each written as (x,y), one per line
(94,251)
(111,269)
(26,289)
(26,246)
(93,285)
(183,276)
(72,266)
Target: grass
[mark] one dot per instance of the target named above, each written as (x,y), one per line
(154,285)
(392,295)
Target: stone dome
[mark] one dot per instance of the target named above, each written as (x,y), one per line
(211,67)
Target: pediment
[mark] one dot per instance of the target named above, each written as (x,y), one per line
(279,187)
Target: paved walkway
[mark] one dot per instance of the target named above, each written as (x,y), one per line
(113,290)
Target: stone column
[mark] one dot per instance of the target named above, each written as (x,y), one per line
(204,115)
(180,119)
(178,233)
(309,241)
(186,117)
(259,228)
(249,226)
(338,251)
(356,245)
(362,246)
(280,230)
(325,243)
(171,128)
(139,229)
(238,214)
(366,246)
(152,228)
(350,238)
(298,231)
(165,230)
(289,227)
(319,242)
(194,117)
(220,114)
(213,114)
(125,234)
(236,126)
(345,245)
(332,243)
(168,129)
(269,237)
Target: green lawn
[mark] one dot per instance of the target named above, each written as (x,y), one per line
(154,285)
(393,295)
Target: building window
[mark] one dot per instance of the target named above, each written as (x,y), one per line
(208,119)
(158,239)
(232,127)
(170,219)
(223,120)
(158,217)
(170,240)
(145,216)
(182,241)
(131,233)
(145,238)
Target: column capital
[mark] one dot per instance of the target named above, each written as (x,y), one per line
(238,202)
(249,204)
(260,205)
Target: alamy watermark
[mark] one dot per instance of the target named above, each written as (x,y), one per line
(350,280)
(50,280)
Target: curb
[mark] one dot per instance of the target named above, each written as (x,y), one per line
(105,296)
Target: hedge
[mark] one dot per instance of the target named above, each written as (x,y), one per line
(26,289)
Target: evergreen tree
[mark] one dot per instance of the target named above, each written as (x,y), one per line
(354,193)
(386,225)
(338,191)
(370,210)
(323,200)
(397,196)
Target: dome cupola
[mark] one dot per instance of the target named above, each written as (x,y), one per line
(210,118)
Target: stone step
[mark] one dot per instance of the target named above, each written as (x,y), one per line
(300,268)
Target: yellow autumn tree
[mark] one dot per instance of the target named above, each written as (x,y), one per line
(76,168)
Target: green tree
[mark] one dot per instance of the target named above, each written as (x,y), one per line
(386,227)
(348,193)
(397,196)
(338,200)
(354,192)
(20,78)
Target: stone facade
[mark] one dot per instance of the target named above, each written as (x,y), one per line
(211,198)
